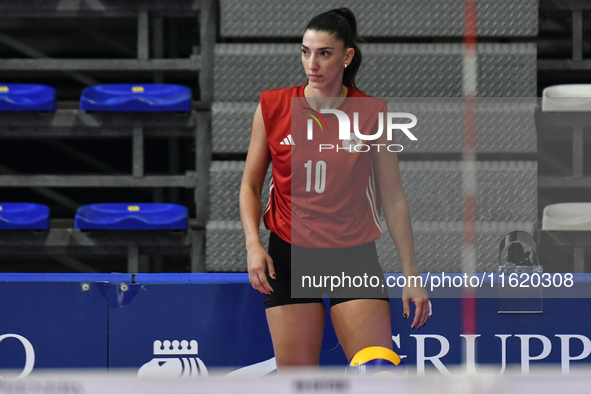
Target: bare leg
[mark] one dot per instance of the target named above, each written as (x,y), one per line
(362,323)
(296,331)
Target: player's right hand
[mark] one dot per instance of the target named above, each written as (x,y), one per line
(258,259)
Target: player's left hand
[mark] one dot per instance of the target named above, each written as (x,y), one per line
(419,296)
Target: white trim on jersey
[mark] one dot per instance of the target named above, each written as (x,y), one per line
(370,192)
(287,140)
(269,202)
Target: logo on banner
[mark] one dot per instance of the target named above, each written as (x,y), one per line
(29,354)
(180,361)
(527,353)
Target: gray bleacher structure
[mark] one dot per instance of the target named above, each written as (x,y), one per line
(381,18)
(266,56)
(408,73)
(67,122)
(564,174)
(225,243)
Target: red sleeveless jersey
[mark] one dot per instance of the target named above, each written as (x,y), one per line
(321,197)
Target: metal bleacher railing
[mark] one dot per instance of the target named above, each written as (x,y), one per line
(67,122)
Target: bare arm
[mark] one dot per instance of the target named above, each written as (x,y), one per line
(397,216)
(255,169)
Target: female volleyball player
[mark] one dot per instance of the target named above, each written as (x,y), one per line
(324,205)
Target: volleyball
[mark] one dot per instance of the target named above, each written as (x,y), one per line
(374,360)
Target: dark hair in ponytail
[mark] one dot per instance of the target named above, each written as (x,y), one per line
(341,22)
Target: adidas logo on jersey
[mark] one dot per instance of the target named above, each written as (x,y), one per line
(287,141)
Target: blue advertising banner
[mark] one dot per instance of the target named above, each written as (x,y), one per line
(225,322)
(521,340)
(187,324)
(53,321)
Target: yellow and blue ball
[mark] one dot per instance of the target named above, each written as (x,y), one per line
(374,360)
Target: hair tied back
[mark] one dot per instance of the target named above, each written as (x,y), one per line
(337,15)
(332,22)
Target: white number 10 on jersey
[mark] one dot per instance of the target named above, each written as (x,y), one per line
(320,176)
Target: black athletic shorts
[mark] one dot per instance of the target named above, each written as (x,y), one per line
(315,272)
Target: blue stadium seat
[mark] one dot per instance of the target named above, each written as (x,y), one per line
(126,216)
(23,216)
(26,97)
(136,97)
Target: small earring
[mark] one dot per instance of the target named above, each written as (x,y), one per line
(345,65)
